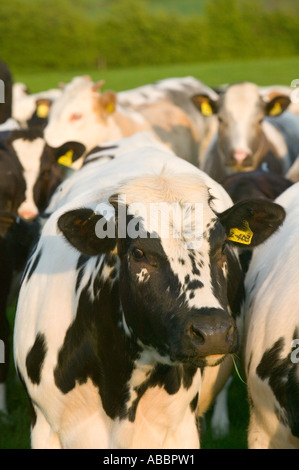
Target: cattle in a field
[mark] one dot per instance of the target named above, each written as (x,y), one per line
(252,133)
(130,298)
(272,334)
(29,174)
(255,184)
(40,165)
(85,114)
(241,186)
(32,109)
(16,239)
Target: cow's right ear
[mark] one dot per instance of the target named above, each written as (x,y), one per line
(87,231)
(108,101)
(68,153)
(250,222)
(205,104)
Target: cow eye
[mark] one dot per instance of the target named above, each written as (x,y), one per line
(137,254)
(75,116)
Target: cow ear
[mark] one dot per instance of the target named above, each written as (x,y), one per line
(277,105)
(87,231)
(43,106)
(205,104)
(108,101)
(69,152)
(249,223)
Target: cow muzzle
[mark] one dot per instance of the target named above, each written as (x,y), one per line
(209,336)
(240,160)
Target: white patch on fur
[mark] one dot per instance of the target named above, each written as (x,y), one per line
(29,154)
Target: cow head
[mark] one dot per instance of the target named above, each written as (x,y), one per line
(241,110)
(80,114)
(12,184)
(175,294)
(39,164)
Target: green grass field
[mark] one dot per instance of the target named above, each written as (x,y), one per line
(14,432)
(262,72)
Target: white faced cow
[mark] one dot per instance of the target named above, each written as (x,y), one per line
(245,140)
(164,108)
(128,298)
(272,334)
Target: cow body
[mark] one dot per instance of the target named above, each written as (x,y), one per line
(253,132)
(113,344)
(272,326)
(255,184)
(29,173)
(163,108)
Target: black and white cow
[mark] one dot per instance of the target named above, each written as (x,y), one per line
(252,131)
(255,184)
(127,299)
(272,334)
(29,173)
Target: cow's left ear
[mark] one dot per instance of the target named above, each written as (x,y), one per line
(249,223)
(87,231)
(108,101)
(205,104)
(68,153)
(277,105)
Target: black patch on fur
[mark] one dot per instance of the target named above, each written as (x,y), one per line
(193,403)
(164,376)
(35,359)
(283,381)
(195,284)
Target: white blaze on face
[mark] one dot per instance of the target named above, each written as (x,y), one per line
(29,154)
(240,112)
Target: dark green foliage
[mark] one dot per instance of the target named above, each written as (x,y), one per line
(46,34)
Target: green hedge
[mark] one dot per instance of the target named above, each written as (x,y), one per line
(49,34)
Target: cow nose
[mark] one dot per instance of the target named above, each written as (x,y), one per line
(215,333)
(27,215)
(241,157)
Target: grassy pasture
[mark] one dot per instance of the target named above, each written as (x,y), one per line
(262,72)
(14,432)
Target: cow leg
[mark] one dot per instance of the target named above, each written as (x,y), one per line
(42,435)
(220,417)
(257,437)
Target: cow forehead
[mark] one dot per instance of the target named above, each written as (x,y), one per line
(29,152)
(241,99)
(174,211)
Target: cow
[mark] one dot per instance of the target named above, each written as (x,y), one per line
(255,184)
(41,167)
(241,186)
(271,331)
(29,174)
(252,132)
(86,115)
(32,109)
(122,314)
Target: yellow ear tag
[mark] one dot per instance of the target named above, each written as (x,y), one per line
(241,236)
(42,110)
(276,109)
(206,108)
(67,158)
(110,108)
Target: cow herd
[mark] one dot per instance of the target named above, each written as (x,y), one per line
(153,237)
